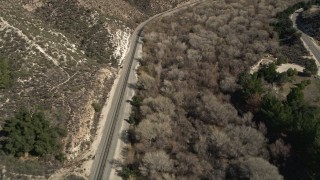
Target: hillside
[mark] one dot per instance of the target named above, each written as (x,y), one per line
(61,57)
(49,70)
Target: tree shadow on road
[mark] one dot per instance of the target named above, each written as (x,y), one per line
(127,136)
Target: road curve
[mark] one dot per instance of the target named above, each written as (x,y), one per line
(101,167)
(307,40)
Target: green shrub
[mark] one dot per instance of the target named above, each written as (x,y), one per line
(282,78)
(268,72)
(292,72)
(126,173)
(60,157)
(251,84)
(136,101)
(96,106)
(281,60)
(303,84)
(310,67)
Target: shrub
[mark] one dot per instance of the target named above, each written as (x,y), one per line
(268,72)
(292,72)
(310,67)
(126,172)
(251,84)
(281,60)
(96,106)
(281,78)
(136,101)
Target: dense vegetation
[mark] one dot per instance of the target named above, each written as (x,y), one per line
(186,127)
(310,66)
(30,133)
(291,46)
(292,120)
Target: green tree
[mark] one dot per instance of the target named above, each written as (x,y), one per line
(295,97)
(281,60)
(251,84)
(282,78)
(136,101)
(30,133)
(310,67)
(303,84)
(305,126)
(292,72)
(314,159)
(279,116)
(268,72)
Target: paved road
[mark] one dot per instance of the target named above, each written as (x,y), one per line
(102,165)
(307,40)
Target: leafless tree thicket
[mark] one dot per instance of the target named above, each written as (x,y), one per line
(188,128)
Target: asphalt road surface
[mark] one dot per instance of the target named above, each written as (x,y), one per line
(102,164)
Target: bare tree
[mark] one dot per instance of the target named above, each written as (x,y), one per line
(252,141)
(253,168)
(157,161)
(190,66)
(160,104)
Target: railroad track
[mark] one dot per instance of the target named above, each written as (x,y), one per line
(102,161)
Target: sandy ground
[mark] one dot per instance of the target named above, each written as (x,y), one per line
(280,69)
(285,67)
(255,67)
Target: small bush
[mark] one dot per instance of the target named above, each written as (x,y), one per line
(136,101)
(281,60)
(96,106)
(310,67)
(126,173)
(60,157)
(268,72)
(292,72)
(282,78)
